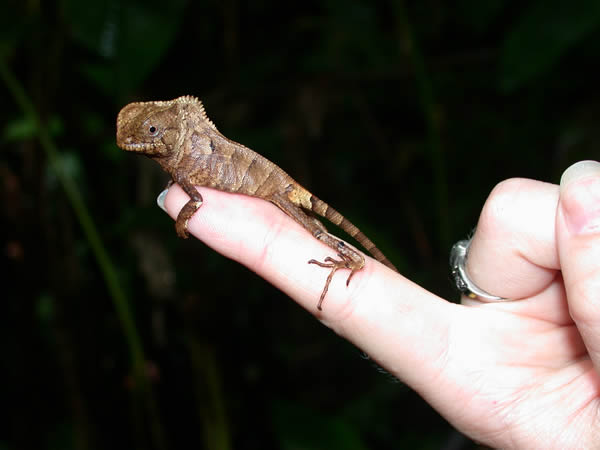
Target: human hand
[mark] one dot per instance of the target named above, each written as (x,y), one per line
(512,374)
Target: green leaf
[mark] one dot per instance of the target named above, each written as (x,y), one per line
(130,38)
(69,163)
(542,36)
(24,128)
(19,129)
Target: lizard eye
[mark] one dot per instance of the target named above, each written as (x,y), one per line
(153,130)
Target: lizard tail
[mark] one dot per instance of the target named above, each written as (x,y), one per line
(324,210)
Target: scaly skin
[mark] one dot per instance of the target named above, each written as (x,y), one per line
(188,146)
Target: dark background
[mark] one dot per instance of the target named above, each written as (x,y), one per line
(402,115)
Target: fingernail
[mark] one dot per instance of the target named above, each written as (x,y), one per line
(580,197)
(160,200)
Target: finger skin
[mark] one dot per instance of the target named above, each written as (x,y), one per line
(578,228)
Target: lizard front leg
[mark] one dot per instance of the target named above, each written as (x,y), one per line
(189,209)
(349,258)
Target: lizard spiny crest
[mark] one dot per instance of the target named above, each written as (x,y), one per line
(190,100)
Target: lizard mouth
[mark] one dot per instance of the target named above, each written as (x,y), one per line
(128,145)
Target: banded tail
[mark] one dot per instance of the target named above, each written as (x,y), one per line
(324,210)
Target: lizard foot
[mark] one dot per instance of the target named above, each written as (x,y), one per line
(181,228)
(344,263)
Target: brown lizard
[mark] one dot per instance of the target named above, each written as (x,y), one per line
(182,139)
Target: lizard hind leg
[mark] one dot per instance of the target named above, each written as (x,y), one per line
(343,263)
(349,258)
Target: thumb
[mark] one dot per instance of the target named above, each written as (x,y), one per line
(578,239)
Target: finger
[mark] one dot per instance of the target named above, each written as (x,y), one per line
(513,252)
(379,306)
(578,232)
(260,236)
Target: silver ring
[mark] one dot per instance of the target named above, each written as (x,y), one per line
(458,270)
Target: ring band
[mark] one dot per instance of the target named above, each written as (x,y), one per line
(458,270)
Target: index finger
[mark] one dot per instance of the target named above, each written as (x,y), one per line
(380,311)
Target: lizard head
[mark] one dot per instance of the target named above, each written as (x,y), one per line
(151,128)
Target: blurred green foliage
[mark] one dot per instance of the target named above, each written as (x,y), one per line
(402,115)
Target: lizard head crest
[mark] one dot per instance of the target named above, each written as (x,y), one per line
(153,128)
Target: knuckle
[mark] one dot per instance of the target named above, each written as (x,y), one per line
(501,206)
